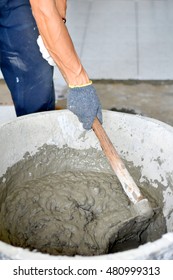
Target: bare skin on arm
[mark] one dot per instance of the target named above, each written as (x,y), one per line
(61,7)
(48,15)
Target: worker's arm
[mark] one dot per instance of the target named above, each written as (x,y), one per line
(82,99)
(58,42)
(61,7)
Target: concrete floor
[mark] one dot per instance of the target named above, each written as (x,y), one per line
(151,99)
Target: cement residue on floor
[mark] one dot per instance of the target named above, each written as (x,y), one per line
(66,201)
(152,99)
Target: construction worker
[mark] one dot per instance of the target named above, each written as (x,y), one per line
(28,75)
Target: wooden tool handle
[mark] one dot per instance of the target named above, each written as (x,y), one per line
(117,164)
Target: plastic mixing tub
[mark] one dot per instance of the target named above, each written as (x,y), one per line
(145,142)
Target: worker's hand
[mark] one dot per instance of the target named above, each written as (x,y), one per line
(84,103)
(44,51)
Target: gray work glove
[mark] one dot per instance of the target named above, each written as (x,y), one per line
(85,104)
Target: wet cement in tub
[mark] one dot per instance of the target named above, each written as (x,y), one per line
(69,202)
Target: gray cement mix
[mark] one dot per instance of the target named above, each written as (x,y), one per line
(69,202)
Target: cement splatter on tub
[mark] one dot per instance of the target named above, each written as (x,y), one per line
(68,202)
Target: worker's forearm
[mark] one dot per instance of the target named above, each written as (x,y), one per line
(61,7)
(58,42)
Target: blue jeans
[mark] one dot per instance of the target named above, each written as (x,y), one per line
(28,76)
